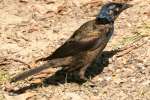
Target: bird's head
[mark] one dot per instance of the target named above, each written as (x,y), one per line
(110,11)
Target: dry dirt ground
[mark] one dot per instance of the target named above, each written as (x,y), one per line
(31,29)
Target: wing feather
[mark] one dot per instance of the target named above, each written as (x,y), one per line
(74,47)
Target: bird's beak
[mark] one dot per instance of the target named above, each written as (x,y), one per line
(125,6)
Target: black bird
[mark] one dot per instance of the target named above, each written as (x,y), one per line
(78,52)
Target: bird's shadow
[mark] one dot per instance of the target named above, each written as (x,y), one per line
(60,77)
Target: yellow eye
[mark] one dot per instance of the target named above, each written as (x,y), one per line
(117,9)
(110,12)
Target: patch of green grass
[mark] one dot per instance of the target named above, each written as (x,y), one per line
(3,77)
(142,30)
(127,40)
(1,97)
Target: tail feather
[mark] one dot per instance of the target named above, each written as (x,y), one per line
(52,63)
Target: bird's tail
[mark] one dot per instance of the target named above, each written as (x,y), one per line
(52,63)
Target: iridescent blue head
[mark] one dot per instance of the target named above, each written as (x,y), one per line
(110,11)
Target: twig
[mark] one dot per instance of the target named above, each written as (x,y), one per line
(2,64)
(16,60)
(131,44)
(129,49)
(92,2)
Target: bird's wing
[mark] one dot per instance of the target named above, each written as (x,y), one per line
(74,47)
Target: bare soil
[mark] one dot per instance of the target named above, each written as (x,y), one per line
(31,29)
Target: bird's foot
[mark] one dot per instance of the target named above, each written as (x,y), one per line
(87,79)
(82,74)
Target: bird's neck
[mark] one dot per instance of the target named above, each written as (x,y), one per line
(103,21)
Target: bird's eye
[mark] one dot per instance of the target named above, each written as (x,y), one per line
(117,9)
(110,12)
(112,7)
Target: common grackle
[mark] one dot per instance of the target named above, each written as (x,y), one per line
(83,47)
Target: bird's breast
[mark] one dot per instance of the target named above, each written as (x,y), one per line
(110,32)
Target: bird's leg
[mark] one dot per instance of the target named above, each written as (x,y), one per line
(82,72)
